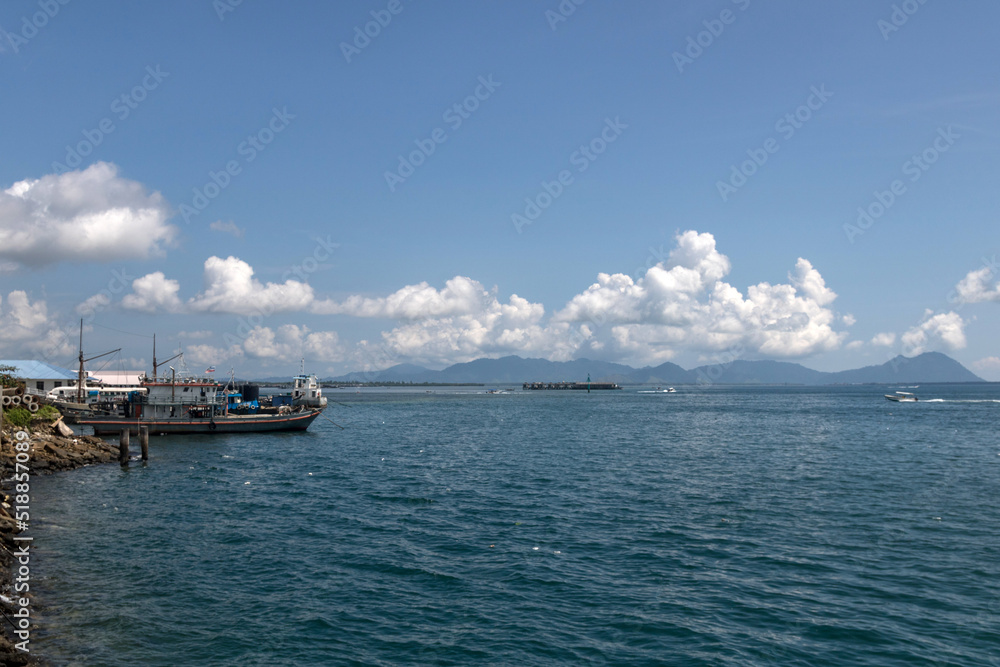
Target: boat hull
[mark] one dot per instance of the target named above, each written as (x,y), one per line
(112,425)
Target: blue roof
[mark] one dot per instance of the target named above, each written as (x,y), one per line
(38,370)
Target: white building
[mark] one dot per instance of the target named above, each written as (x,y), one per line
(38,376)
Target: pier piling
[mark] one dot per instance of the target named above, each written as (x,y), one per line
(123,448)
(144,442)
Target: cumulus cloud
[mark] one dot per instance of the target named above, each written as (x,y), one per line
(290,343)
(886,339)
(460,296)
(683,303)
(286,344)
(205,355)
(90,215)
(231,288)
(493,330)
(27,328)
(978,286)
(153,293)
(935,331)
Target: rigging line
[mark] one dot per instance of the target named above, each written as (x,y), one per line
(332,422)
(130,333)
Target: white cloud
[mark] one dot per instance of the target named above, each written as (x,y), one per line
(935,331)
(231,288)
(886,339)
(91,215)
(205,355)
(679,305)
(289,343)
(26,329)
(976,287)
(684,304)
(227,227)
(94,304)
(988,368)
(494,330)
(460,296)
(154,293)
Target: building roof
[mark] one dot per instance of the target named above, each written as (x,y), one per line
(117,377)
(30,369)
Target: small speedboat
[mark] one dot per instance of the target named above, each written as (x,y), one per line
(902,397)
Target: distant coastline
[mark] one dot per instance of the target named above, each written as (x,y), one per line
(926,367)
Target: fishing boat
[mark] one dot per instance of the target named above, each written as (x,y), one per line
(191,405)
(902,397)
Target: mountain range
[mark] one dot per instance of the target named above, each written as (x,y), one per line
(926,367)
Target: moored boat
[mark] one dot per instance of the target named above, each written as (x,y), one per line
(197,405)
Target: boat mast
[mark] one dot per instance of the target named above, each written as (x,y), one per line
(156,366)
(80,374)
(79,377)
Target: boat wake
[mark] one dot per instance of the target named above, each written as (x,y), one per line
(960,400)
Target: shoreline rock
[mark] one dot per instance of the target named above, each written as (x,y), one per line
(51,451)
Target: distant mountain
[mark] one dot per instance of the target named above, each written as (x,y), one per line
(759,372)
(665,373)
(397,373)
(927,367)
(512,370)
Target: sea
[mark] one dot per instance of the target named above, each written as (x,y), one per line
(451,526)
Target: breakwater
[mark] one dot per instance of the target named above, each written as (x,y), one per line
(587,386)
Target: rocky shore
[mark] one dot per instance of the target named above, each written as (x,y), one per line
(54,447)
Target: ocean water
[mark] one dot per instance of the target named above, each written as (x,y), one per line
(714,526)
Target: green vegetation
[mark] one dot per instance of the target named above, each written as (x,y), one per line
(46,413)
(19,417)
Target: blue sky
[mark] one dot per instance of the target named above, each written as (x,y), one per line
(259,182)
